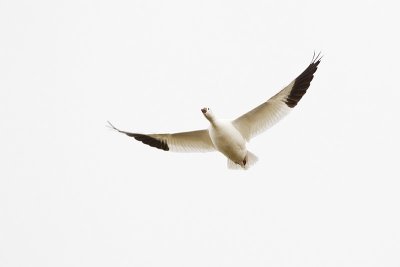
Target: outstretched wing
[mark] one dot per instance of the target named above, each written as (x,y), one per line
(270,112)
(194,141)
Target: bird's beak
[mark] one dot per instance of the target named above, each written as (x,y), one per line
(204,110)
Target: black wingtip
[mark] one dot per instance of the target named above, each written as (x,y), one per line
(145,139)
(316,59)
(111,126)
(151,141)
(302,82)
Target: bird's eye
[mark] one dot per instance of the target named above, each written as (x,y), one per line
(208,109)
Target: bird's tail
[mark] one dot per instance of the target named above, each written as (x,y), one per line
(251,159)
(233,166)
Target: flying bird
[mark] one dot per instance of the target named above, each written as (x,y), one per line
(230,137)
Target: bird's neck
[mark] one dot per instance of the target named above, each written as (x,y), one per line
(213,121)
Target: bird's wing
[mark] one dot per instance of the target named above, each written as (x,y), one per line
(194,141)
(270,112)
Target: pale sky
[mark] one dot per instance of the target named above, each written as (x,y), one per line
(325,191)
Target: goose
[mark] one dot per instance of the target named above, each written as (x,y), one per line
(230,137)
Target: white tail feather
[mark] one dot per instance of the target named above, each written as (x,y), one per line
(233,166)
(251,159)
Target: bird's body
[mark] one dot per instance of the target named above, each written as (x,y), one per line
(230,137)
(227,140)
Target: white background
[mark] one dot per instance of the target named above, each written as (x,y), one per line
(325,191)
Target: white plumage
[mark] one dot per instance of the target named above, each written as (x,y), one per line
(230,137)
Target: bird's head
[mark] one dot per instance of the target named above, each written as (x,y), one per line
(208,114)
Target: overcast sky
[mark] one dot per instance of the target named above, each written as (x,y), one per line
(325,191)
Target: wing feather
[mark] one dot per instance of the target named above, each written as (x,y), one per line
(193,141)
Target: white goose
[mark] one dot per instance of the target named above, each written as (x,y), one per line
(230,137)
